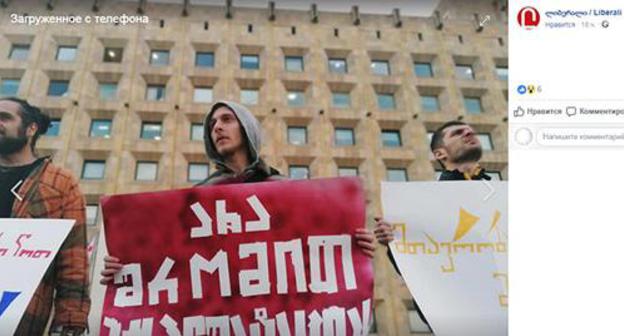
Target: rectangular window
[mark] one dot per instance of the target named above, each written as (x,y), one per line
(113,55)
(159,57)
(347,171)
(502,73)
(155,93)
(55,128)
(100,128)
(294,63)
(486,141)
(251,62)
(151,130)
(430,103)
(66,53)
(464,71)
(9,86)
(341,99)
(146,171)
(297,135)
(197,132)
(19,52)
(108,91)
(380,67)
(344,137)
(58,88)
(197,172)
(385,101)
(204,59)
(296,98)
(298,172)
(396,174)
(338,65)
(423,69)
(249,96)
(202,95)
(473,105)
(93,169)
(92,211)
(391,138)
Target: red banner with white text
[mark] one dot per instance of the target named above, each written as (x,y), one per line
(271,258)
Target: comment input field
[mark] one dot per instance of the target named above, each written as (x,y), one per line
(581,137)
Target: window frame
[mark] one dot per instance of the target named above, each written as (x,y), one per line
(290,171)
(429,67)
(157,87)
(139,164)
(197,164)
(23,49)
(55,81)
(93,123)
(243,62)
(151,123)
(199,89)
(461,74)
(100,163)
(330,60)
(392,132)
(60,48)
(106,58)
(347,130)
(387,71)
(205,53)
(475,99)
(294,128)
(3,86)
(395,169)
(387,95)
(152,59)
(300,63)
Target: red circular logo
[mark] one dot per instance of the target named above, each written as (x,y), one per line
(528,17)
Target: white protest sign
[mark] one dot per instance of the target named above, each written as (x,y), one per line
(27,247)
(451,248)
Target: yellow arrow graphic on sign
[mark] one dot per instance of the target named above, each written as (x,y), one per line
(466,222)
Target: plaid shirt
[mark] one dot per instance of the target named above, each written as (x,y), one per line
(51,192)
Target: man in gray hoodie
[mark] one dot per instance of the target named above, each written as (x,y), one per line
(232,137)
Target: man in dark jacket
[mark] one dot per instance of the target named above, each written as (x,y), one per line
(232,137)
(458,150)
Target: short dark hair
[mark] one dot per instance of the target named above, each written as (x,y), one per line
(31,114)
(437,140)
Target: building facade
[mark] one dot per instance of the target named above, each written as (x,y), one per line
(337,93)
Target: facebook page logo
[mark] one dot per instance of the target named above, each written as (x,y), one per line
(528,17)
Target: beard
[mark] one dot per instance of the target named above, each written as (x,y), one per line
(469,155)
(10,145)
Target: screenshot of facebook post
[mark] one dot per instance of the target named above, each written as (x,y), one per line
(566,130)
(294,167)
